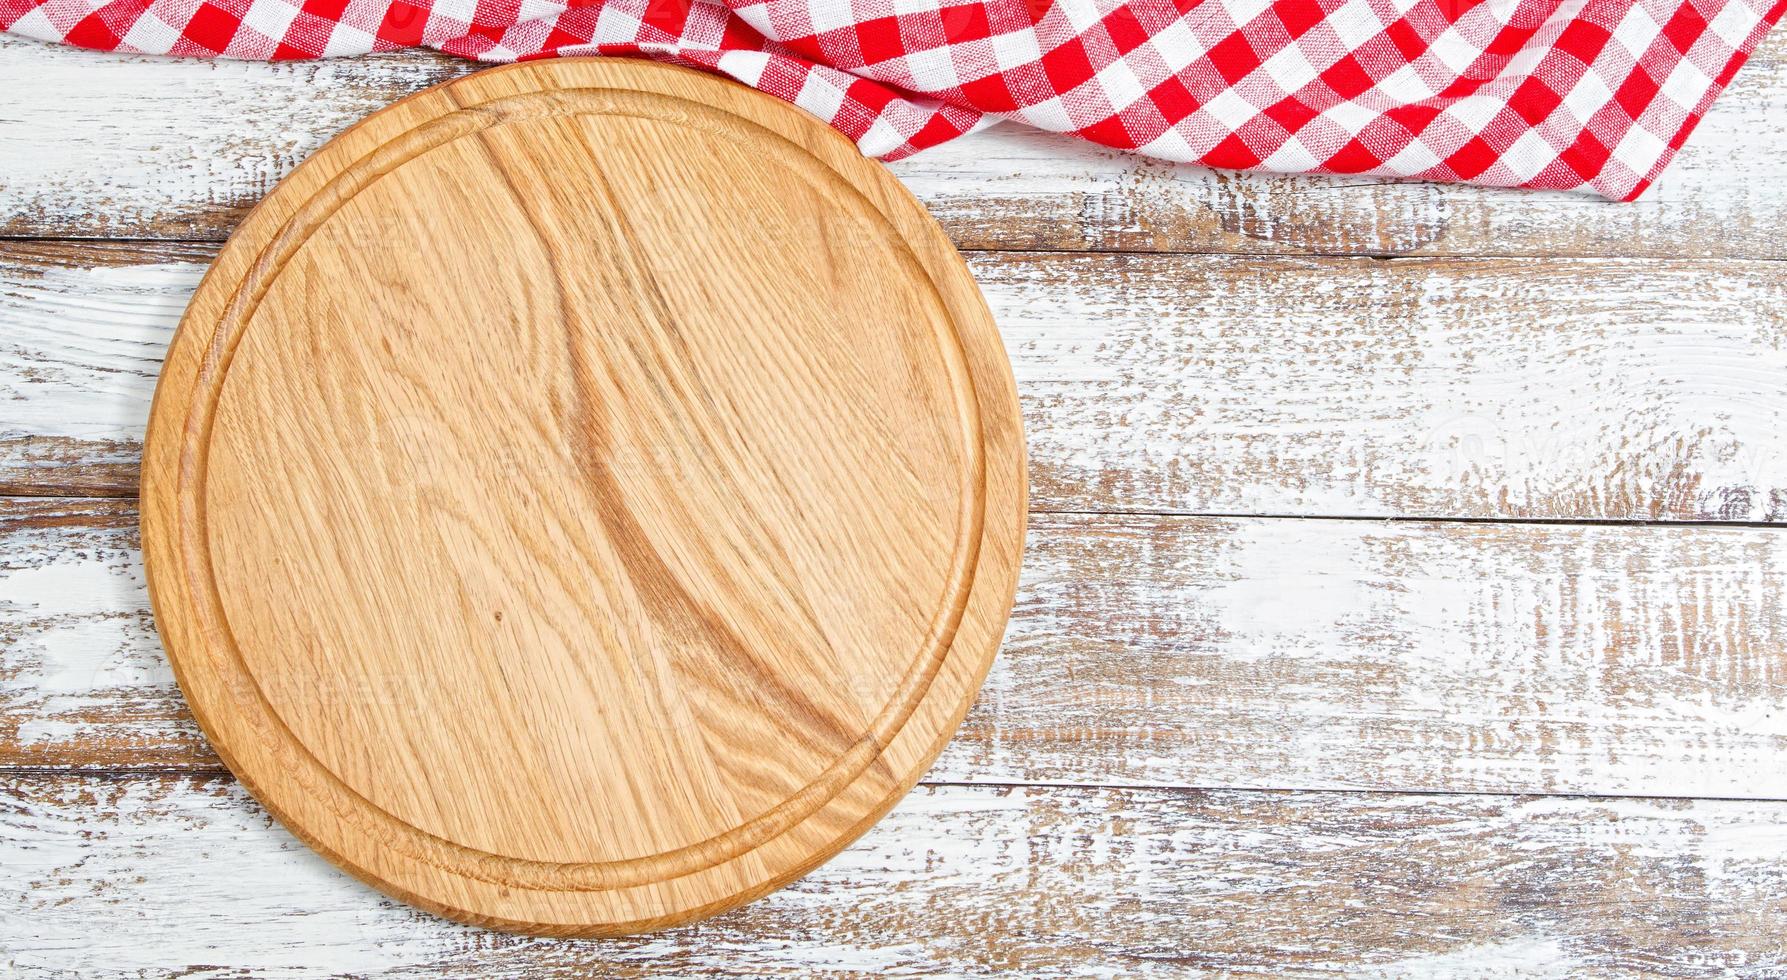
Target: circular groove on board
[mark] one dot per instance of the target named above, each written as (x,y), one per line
(583,497)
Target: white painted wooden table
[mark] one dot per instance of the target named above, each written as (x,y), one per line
(1404,595)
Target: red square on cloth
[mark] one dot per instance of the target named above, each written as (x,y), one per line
(212,27)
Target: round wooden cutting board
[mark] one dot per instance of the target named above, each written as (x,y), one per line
(584,497)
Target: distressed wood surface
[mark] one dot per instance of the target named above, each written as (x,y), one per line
(1148,650)
(1557,389)
(1211,652)
(104,145)
(184,875)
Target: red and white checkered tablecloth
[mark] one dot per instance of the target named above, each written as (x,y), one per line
(1595,94)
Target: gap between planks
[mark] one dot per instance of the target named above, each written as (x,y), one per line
(129,496)
(119,773)
(969,252)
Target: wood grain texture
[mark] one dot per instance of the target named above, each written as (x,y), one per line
(583,497)
(174,875)
(1169,651)
(1583,389)
(103,145)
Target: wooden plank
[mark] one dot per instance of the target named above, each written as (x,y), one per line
(1579,389)
(82,333)
(82,676)
(172,875)
(105,145)
(1494,388)
(1169,651)
(112,146)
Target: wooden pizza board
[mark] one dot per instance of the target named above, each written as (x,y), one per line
(583,497)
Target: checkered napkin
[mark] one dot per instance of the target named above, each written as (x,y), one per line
(1566,94)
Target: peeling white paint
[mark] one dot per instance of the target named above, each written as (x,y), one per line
(113,142)
(1446,388)
(1603,389)
(1206,652)
(162,874)
(1525,958)
(80,348)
